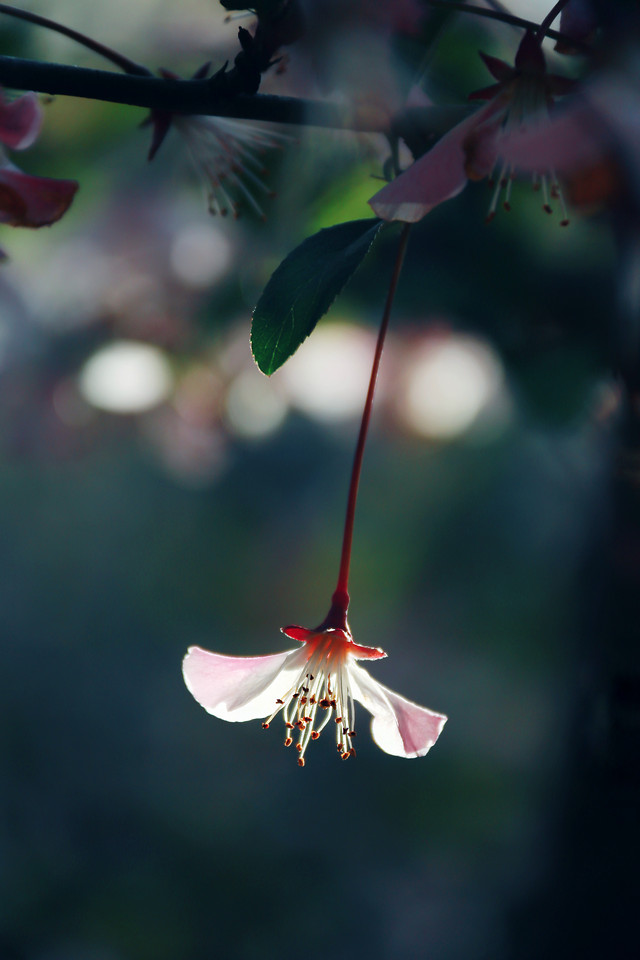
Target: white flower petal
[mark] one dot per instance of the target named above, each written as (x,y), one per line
(240,688)
(399,726)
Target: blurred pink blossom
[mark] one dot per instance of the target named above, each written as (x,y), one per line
(25,200)
(312,686)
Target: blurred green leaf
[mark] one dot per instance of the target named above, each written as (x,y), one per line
(303,288)
(346,197)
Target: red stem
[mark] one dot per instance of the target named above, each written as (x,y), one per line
(337,616)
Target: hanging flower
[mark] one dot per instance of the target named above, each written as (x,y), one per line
(225,153)
(475,148)
(313,687)
(593,142)
(27,201)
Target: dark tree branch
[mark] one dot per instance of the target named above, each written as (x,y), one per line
(205,97)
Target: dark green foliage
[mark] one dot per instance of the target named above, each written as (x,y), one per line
(303,288)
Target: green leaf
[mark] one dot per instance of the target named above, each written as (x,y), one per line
(303,288)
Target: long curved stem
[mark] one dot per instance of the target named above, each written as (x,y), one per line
(509,18)
(129,66)
(543,29)
(337,617)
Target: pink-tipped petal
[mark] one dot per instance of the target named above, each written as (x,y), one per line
(301,634)
(399,726)
(20,121)
(356,650)
(27,201)
(360,652)
(239,688)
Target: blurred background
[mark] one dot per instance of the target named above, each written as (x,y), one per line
(156,491)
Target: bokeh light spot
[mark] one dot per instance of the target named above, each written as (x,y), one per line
(450,381)
(253,406)
(200,255)
(126,377)
(327,378)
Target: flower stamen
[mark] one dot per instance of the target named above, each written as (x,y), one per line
(506,205)
(322,684)
(222,150)
(499,185)
(546,206)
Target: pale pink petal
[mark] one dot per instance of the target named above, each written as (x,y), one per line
(571,140)
(481,148)
(240,688)
(27,201)
(20,121)
(437,176)
(399,726)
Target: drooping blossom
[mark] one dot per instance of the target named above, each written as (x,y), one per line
(313,687)
(475,148)
(594,144)
(25,200)
(226,154)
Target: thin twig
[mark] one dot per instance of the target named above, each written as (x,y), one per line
(556,10)
(509,18)
(129,66)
